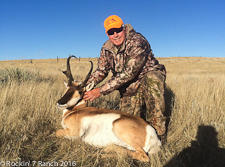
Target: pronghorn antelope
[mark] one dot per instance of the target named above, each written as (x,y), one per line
(103,127)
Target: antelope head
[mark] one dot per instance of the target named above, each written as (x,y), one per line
(74,89)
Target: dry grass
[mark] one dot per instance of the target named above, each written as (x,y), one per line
(195,96)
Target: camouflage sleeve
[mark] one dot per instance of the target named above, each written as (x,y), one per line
(102,71)
(137,57)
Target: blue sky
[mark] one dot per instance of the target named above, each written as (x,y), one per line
(43,29)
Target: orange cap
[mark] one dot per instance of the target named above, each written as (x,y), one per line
(112,21)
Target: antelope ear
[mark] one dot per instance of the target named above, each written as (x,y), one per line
(90,86)
(65,84)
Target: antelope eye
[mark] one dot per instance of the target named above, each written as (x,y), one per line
(81,91)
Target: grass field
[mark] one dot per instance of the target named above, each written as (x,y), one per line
(195,105)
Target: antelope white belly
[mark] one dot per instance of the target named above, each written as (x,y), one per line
(97,130)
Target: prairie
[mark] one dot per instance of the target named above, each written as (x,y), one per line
(29,118)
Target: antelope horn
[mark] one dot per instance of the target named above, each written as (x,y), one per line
(68,71)
(83,84)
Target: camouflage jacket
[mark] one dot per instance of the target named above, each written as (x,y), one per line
(128,64)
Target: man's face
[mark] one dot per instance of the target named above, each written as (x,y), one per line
(117,35)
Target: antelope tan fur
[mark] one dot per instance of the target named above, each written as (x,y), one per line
(104,127)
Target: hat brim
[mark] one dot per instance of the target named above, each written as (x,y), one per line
(113,26)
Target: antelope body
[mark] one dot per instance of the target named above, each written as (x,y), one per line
(104,127)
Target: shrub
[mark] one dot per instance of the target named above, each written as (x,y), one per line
(20,75)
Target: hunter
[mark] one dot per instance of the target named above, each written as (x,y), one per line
(137,74)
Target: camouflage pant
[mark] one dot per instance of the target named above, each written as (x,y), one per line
(149,101)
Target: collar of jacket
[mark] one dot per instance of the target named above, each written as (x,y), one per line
(108,45)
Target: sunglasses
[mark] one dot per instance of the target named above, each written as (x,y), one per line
(117,30)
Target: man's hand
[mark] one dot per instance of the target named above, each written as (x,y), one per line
(92,95)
